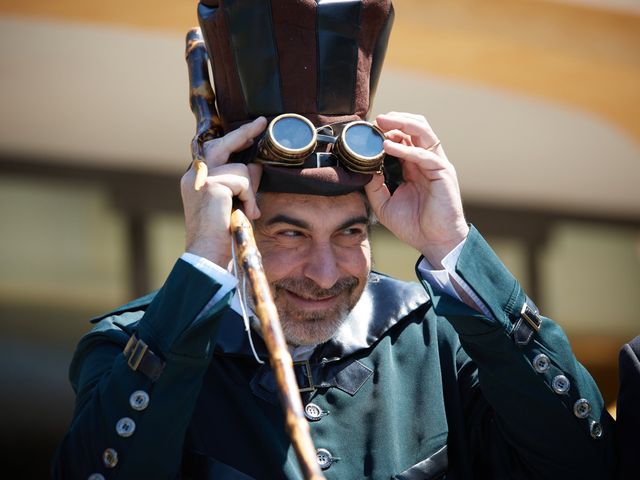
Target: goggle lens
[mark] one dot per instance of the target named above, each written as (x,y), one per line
(292,133)
(364,141)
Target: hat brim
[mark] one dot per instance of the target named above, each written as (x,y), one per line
(327,181)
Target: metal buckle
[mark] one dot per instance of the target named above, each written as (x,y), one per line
(134,352)
(531,316)
(307,367)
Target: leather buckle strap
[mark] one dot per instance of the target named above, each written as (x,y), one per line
(528,323)
(530,313)
(304,376)
(141,358)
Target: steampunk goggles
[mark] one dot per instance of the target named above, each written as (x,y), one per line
(291,139)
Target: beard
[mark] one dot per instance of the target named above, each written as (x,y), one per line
(302,327)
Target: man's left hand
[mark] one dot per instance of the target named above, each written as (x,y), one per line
(426,209)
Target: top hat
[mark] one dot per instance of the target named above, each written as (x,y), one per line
(319,59)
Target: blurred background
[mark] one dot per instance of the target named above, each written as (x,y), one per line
(536,102)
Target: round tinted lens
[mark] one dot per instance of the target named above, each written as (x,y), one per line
(364,140)
(292,133)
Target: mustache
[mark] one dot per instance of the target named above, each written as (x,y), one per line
(310,290)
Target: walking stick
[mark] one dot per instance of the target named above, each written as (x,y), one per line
(202,101)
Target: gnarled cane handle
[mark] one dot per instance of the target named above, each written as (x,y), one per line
(202,102)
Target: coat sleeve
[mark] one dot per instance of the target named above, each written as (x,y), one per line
(125,425)
(547,410)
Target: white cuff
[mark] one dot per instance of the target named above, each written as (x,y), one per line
(441,279)
(226,280)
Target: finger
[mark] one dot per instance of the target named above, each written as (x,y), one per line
(217,151)
(255,174)
(187,182)
(378,194)
(245,176)
(420,118)
(398,137)
(201,173)
(239,186)
(421,132)
(423,157)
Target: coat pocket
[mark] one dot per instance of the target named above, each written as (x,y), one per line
(197,466)
(431,468)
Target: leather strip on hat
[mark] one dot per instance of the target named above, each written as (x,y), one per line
(256,58)
(337,55)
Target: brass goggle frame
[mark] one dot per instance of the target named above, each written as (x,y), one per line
(273,152)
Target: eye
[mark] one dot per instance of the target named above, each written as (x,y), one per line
(289,233)
(352,231)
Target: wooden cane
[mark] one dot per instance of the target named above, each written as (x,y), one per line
(202,101)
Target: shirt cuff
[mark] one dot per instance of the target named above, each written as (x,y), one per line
(226,280)
(441,279)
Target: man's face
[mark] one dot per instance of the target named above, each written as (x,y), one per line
(316,255)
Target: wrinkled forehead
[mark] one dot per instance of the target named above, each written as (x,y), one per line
(314,210)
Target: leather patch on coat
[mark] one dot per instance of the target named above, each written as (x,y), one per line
(348,376)
(431,468)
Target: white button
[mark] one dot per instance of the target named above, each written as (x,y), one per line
(110,458)
(313,412)
(541,363)
(325,459)
(595,429)
(139,400)
(95,476)
(125,427)
(560,384)
(582,408)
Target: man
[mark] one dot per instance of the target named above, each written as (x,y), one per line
(627,416)
(459,377)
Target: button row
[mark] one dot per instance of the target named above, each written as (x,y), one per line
(561,385)
(125,427)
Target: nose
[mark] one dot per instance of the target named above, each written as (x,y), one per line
(321,265)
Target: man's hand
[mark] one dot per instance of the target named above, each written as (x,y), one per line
(426,210)
(207,211)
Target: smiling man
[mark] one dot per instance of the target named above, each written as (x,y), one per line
(456,376)
(316,253)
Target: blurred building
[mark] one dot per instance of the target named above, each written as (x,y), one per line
(536,102)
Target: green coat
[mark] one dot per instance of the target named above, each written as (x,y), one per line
(425,387)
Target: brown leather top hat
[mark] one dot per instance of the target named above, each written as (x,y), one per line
(317,59)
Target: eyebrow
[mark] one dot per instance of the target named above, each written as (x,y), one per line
(296,222)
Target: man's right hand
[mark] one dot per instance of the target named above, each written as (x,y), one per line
(207,211)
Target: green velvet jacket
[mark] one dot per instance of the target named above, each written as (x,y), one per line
(416,386)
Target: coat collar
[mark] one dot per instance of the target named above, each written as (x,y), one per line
(384,302)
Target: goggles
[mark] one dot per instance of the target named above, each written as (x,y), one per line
(291,139)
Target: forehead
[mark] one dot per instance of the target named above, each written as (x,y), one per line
(316,210)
